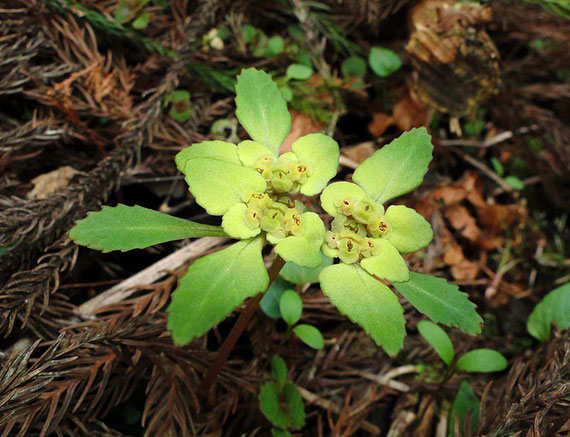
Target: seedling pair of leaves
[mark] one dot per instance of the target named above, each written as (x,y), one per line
(478,360)
(280,400)
(250,185)
(382,61)
(132,10)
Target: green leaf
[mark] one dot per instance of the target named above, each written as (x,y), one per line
(515,182)
(465,407)
(438,339)
(234,223)
(384,62)
(213,286)
(270,302)
(497,166)
(275,47)
(310,335)
(304,250)
(291,306)
(123,13)
(261,109)
(304,275)
(298,72)
(250,152)
(367,302)
(321,153)
(134,227)
(278,368)
(396,168)
(279,433)
(142,21)
(335,192)
(219,150)
(553,308)
(282,405)
(354,66)
(482,360)
(407,230)
(248,32)
(441,302)
(180,109)
(217,184)
(286,92)
(388,265)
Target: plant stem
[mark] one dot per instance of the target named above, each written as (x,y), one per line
(238,328)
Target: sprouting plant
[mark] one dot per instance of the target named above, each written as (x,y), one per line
(280,400)
(180,107)
(554,308)
(474,361)
(128,10)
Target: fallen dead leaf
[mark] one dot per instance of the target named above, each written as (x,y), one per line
(359,152)
(380,122)
(300,125)
(465,270)
(49,183)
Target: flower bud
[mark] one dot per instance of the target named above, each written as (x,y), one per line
(280,182)
(377,226)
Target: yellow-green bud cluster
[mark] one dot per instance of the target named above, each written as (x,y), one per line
(354,229)
(285,175)
(278,216)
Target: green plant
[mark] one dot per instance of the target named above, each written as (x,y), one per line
(465,409)
(280,400)
(383,62)
(250,185)
(553,308)
(180,107)
(132,10)
(477,360)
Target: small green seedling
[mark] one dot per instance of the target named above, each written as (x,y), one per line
(280,400)
(512,180)
(383,62)
(465,409)
(554,308)
(132,10)
(180,107)
(291,307)
(478,360)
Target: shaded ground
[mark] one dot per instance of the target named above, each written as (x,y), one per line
(88,98)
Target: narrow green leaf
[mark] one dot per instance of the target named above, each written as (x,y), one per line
(441,302)
(465,407)
(310,335)
(396,168)
(279,433)
(304,275)
(291,306)
(142,21)
(497,166)
(261,109)
(282,405)
(298,72)
(213,286)
(482,361)
(515,182)
(384,62)
(134,227)
(438,339)
(367,302)
(553,308)
(278,368)
(270,302)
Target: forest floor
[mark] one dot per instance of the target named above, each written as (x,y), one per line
(87,119)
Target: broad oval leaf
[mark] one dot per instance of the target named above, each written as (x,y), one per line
(269,304)
(261,110)
(234,223)
(384,62)
(218,185)
(553,308)
(465,408)
(438,339)
(304,250)
(304,275)
(282,405)
(388,264)
(367,302)
(278,368)
(213,286)
(482,361)
(441,302)
(291,307)
(335,192)
(407,230)
(396,168)
(353,66)
(310,335)
(321,152)
(219,150)
(133,227)
(298,72)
